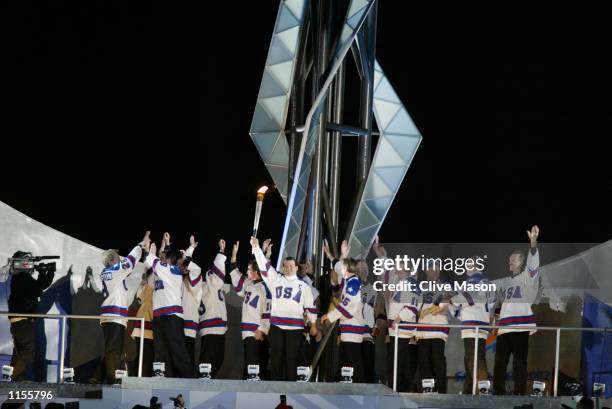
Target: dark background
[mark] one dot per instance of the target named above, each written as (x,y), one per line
(118,117)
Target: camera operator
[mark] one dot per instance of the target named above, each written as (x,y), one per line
(25,294)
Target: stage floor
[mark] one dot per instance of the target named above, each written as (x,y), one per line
(230,394)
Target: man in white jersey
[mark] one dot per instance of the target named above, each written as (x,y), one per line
(401,313)
(114,308)
(191,297)
(350,313)
(516,293)
(168,325)
(473,308)
(431,340)
(255,312)
(291,299)
(213,313)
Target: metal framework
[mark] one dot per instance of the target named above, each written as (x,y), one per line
(298,128)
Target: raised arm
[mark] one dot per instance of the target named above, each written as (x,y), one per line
(130,261)
(349,305)
(268,273)
(533,257)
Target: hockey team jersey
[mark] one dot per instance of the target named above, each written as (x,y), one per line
(291,297)
(213,312)
(168,291)
(429,299)
(191,296)
(473,307)
(115,290)
(349,311)
(516,294)
(256,305)
(402,311)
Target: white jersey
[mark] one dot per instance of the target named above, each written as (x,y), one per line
(429,299)
(517,294)
(401,306)
(191,297)
(213,312)
(168,293)
(115,290)
(256,305)
(368,299)
(291,297)
(473,307)
(349,311)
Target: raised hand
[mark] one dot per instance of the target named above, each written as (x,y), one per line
(167,239)
(266,243)
(153,249)
(533,235)
(344,249)
(269,251)
(192,242)
(378,249)
(221,246)
(235,251)
(254,242)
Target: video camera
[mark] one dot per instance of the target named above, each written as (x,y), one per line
(23,262)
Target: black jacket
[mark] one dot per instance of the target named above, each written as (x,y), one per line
(25,291)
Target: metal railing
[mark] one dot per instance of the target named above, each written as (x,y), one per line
(65,317)
(476,338)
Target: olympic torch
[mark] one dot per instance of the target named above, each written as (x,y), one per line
(258,205)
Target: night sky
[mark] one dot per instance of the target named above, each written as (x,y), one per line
(118,117)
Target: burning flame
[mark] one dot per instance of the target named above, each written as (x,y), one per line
(262,190)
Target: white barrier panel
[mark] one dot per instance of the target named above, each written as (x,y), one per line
(20,232)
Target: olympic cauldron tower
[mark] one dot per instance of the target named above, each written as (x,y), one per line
(298,128)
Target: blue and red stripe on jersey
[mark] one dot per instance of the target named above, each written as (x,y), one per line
(245,326)
(521,320)
(171,309)
(352,329)
(188,324)
(343,311)
(286,321)
(114,310)
(212,323)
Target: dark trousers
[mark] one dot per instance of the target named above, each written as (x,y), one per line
(213,351)
(303,352)
(190,345)
(285,350)
(368,353)
(169,346)
(517,345)
(406,364)
(255,353)
(468,361)
(147,358)
(23,347)
(432,361)
(352,355)
(113,349)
